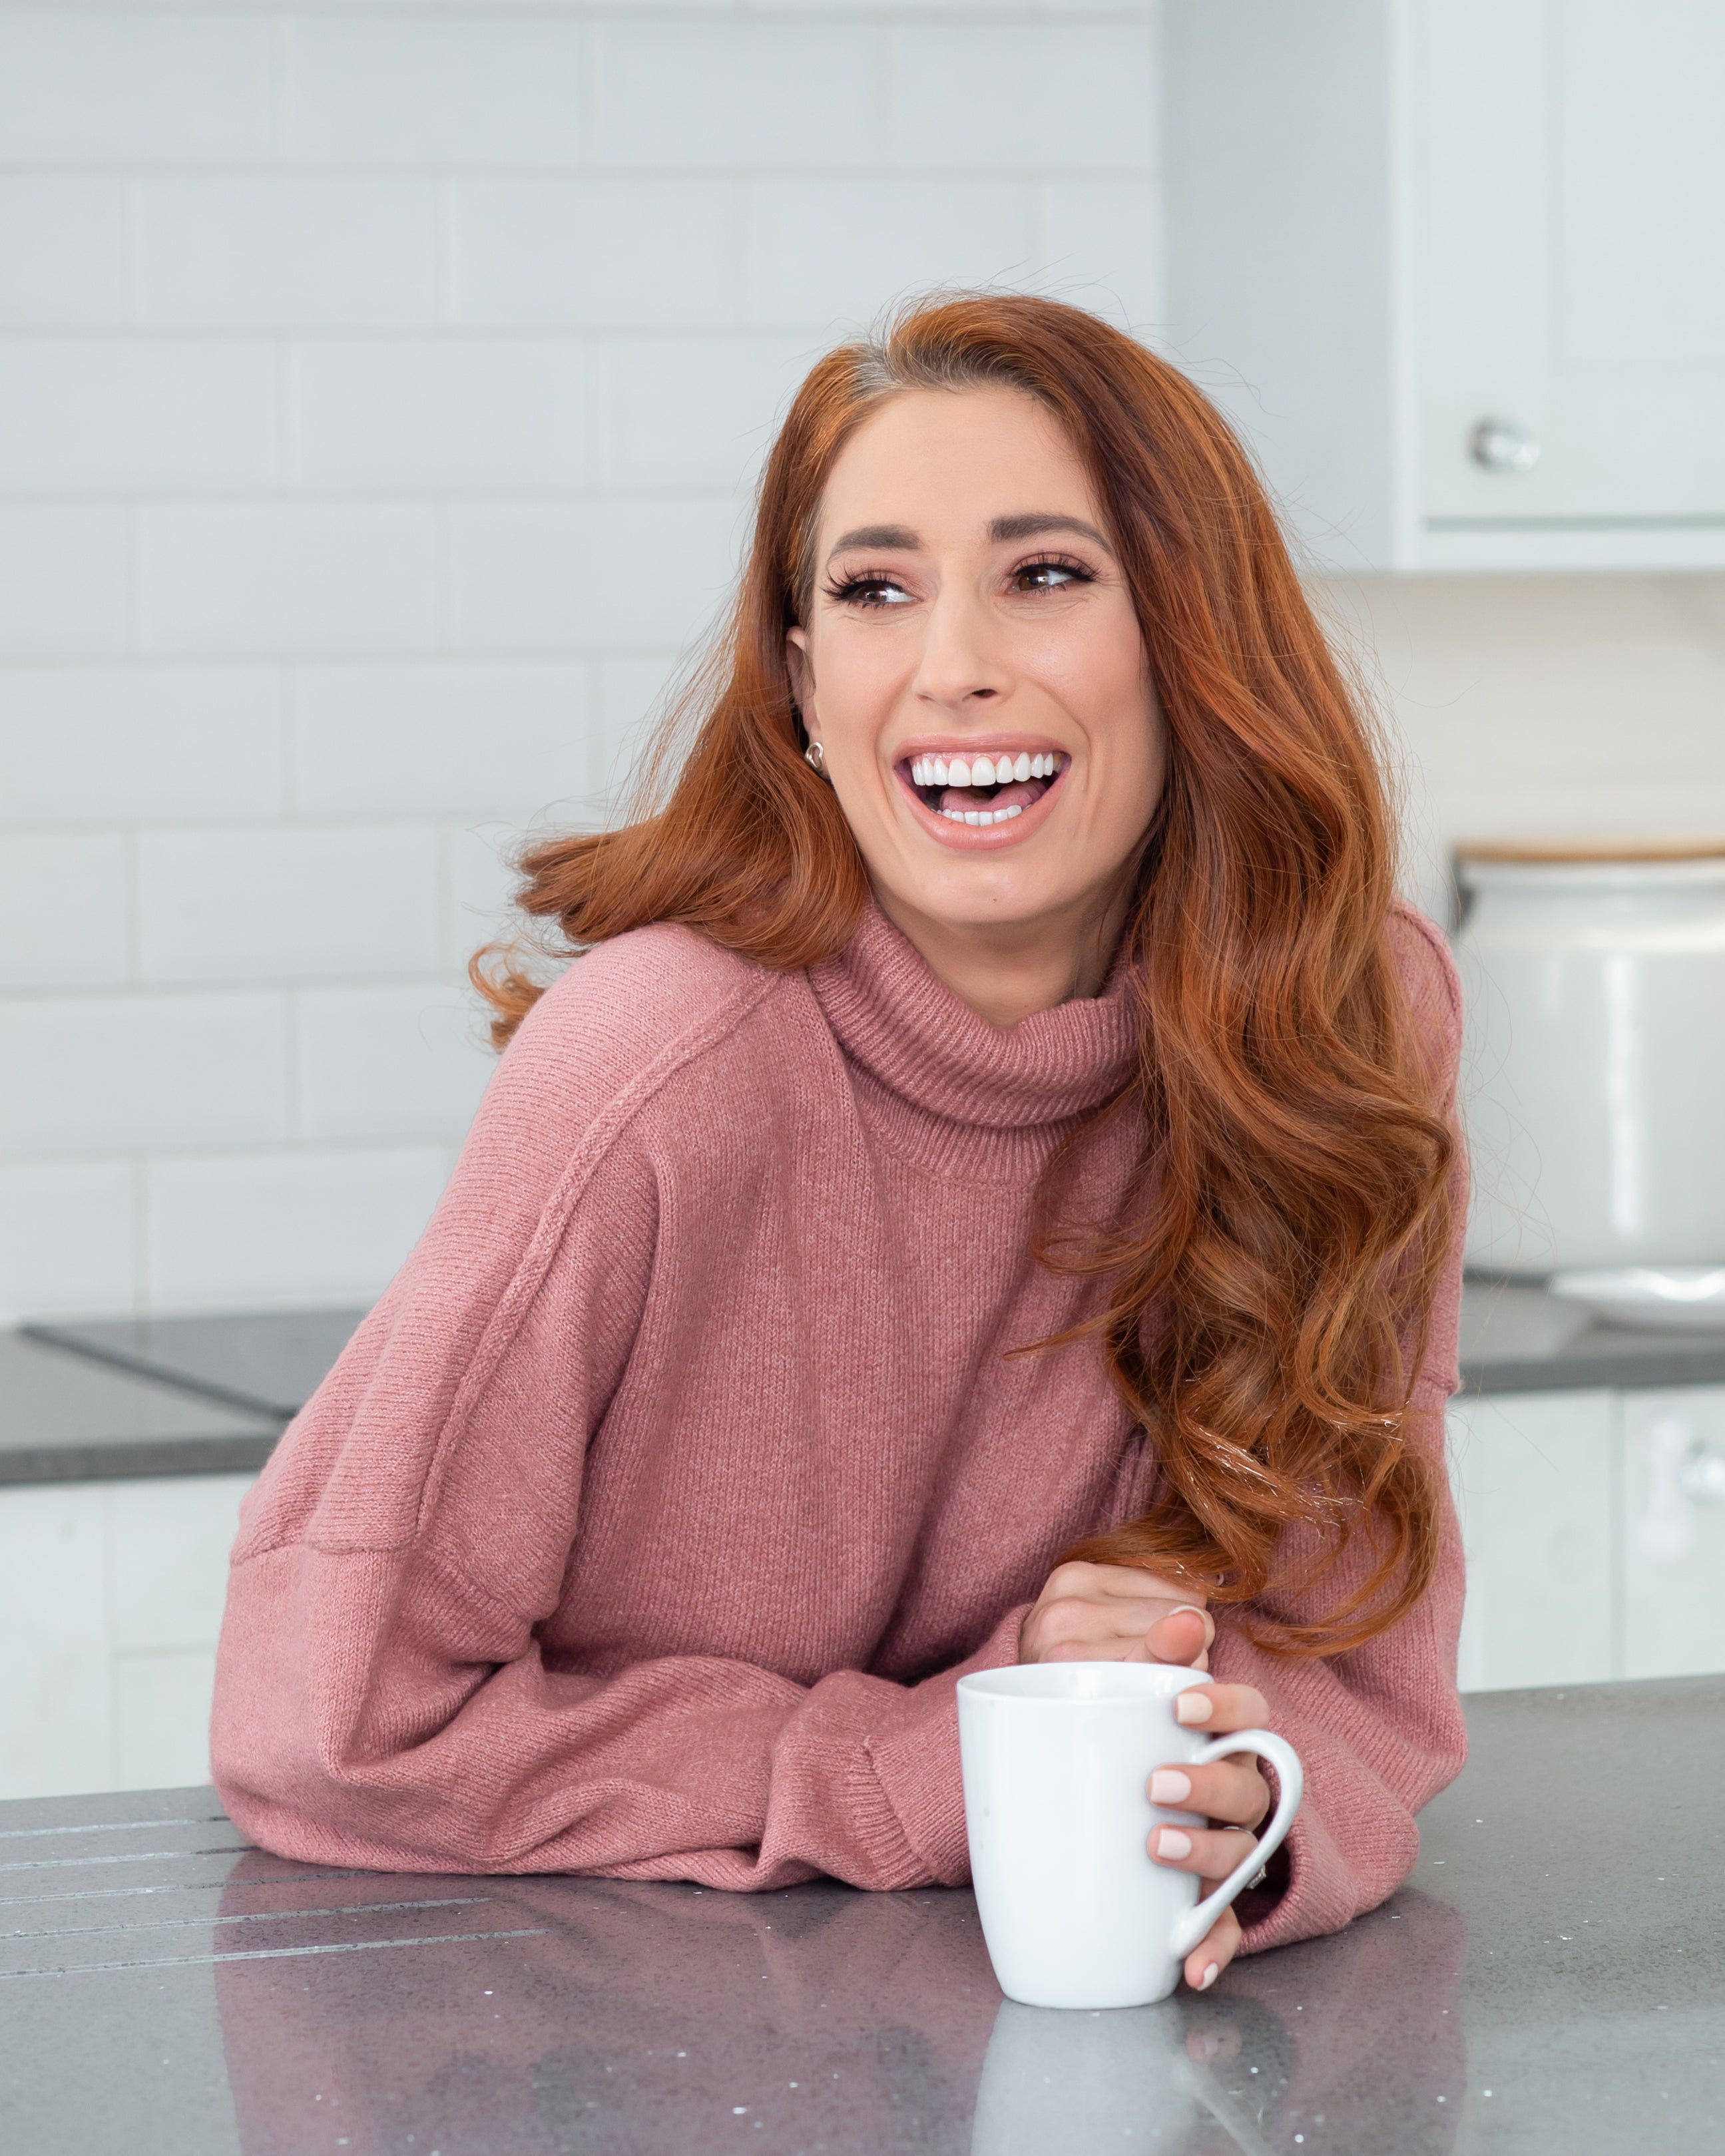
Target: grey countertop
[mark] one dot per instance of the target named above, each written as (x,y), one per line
(1552,1977)
(66,1419)
(1519,1339)
(177,1395)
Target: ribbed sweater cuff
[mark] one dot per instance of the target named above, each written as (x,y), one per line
(917,1765)
(1322,1894)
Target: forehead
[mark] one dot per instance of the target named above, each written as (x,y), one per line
(948,462)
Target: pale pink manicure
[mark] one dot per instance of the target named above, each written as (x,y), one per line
(1193,1705)
(1171,1842)
(1169,1786)
(1209,1978)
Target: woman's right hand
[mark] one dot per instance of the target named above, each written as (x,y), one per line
(1115,1613)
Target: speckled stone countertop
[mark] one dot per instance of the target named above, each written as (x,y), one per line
(1552,1979)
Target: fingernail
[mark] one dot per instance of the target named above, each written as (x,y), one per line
(1169,1786)
(1191,1607)
(1193,1705)
(1209,1978)
(1171,1842)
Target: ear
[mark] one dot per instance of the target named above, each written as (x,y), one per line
(802,674)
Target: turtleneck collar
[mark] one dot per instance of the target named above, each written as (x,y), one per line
(906,1028)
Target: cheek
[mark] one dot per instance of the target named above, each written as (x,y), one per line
(860,677)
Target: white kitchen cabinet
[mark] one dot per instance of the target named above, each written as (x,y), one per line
(110,1601)
(1594,1524)
(1674,1540)
(1409,241)
(1533,1474)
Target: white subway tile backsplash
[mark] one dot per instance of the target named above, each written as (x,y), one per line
(293,1230)
(377,1065)
(244,907)
(65,581)
(634,700)
(1076,95)
(483,880)
(63,912)
(68,1240)
(286,578)
(470,414)
(114,415)
(826,253)
(564,578)
(1099,244)
(132,744)
(385,387)
(701,411)
(294,251)
(737,94)
(110,86)
(416,89)
(63,251)
(595,253)
(104,1074)
(445,739)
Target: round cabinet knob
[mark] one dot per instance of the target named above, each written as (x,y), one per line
(1503,445)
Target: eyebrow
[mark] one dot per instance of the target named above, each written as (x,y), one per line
(1029,525)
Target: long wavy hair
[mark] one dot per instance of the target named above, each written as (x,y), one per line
(1262,1300)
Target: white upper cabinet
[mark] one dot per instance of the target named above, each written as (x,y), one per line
(1457,268)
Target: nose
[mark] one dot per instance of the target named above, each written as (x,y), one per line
(961,665)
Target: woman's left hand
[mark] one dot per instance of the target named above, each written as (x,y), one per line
(1231,1793)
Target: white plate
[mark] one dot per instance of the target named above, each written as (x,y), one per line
(1662,1298)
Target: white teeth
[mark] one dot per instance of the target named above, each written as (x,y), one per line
(958,771)
(1021,769)
(942,773)
(982,771)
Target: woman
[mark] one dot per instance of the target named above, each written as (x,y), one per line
(986,1195)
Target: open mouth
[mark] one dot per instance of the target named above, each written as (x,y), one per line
(982,789)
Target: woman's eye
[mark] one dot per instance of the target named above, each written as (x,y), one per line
(1047,575)
(871,592)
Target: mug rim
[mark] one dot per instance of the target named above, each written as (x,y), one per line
(1020,1683)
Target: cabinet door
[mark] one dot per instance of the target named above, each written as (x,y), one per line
(1532,1474)
(1570,170)
(1673,1531)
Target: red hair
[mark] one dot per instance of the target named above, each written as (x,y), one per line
(1262,1303)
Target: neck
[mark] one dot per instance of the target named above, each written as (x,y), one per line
(1008,970)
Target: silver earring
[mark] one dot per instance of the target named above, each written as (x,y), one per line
(815,757)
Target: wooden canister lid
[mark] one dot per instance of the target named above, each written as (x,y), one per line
(1556,851)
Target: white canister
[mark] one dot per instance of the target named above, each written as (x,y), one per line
(1593,1079)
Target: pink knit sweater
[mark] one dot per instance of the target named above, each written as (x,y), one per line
(645,1525)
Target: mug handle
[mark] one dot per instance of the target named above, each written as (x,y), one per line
(1289,1772)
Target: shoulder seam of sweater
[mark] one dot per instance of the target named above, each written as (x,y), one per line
(542,1246)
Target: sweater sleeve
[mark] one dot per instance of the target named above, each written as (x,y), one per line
(383,1695)
(1380,1731)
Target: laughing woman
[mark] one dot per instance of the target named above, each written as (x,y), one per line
(986,1193)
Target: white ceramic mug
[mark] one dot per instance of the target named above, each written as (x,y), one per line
(1057,1759)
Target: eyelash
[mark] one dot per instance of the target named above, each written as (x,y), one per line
(849,592)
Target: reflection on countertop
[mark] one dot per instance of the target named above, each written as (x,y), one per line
(1542,1984)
